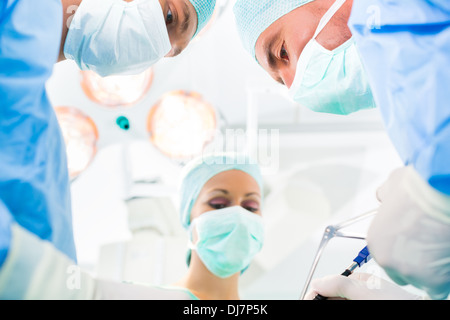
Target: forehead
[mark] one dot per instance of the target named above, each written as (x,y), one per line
(254,16)
(232,180)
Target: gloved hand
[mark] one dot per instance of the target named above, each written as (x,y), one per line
(410,236)
(358,286)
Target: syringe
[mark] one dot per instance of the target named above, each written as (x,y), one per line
(362,258)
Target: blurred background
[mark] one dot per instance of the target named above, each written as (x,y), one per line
(128,137)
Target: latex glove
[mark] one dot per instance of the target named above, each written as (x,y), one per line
(358,286)
(35,270)
(410,236)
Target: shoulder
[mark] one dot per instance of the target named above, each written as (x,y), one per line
(167,292)
(30,36)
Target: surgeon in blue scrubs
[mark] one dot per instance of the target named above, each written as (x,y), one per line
(405,48)
(344,56)
(34,184)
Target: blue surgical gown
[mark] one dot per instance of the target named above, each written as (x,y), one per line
(405,47)
(34,184)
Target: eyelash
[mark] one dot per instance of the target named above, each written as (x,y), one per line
(251,209)
(218,206)
(246,205)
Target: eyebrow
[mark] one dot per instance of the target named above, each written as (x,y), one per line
(219,190)
(226,192)
(187,18)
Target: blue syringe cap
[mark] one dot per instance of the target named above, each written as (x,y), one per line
(363,257)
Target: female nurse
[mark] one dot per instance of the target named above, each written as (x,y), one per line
(220,207)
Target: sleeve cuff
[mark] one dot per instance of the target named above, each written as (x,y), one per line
(34,269)
(430,200)
(5,232)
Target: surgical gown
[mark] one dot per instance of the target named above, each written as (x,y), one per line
(405,47)
(34,184)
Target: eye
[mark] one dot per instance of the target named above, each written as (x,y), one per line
(218,203)
(218,206)
(250,205)
(169,17)
(284,54)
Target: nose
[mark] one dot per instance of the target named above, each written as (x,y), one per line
(288,76)
(175,51)
(178,46)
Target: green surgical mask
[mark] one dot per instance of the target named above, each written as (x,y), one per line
(227,239)
(331,81)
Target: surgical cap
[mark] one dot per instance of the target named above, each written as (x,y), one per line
(253,17)
(205,10)
(199,171)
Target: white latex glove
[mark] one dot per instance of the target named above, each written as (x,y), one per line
(358,286)
(410,236)
(35,270)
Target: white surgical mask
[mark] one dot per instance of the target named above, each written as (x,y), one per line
(114,37)
(331,81)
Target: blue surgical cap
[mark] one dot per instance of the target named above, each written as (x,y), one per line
(199,171)
(205,10)
(253,17)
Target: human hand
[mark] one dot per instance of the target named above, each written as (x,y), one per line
(358,286)
(410,236)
